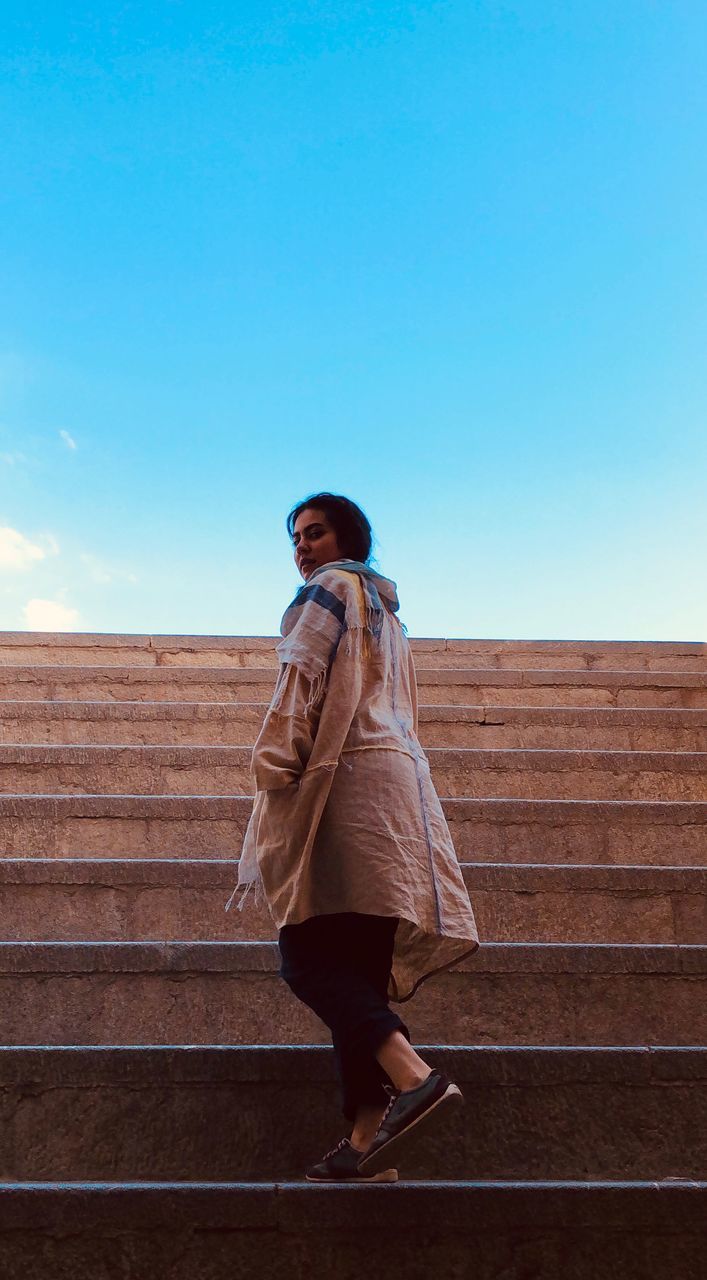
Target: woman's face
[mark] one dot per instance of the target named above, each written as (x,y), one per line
(314,541)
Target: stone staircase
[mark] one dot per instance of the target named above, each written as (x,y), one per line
(161,1090)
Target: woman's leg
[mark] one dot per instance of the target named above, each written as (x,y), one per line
(339,966)
(394,1060)
(362,1077)
(399,1060)
(405,1068)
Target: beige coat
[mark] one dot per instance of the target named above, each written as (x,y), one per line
(346,817)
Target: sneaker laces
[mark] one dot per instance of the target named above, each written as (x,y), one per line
(334,1151)
(394,1095)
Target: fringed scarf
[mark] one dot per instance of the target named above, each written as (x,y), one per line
(312,628)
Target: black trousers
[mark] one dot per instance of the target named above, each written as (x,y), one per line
(339,966)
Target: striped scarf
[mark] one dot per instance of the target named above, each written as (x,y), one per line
(314,624)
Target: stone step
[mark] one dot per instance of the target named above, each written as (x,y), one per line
(121,900)
(545,1113)
(577,1230)
(231,993)
(238,724)
(557,831)
(454,686)
(458,772)
(561,728)
(72,648)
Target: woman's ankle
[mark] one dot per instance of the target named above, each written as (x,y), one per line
(413,1080)
(366,1127)
(403,1066)
(361,1144)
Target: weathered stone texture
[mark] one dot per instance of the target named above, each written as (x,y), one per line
(161,1090)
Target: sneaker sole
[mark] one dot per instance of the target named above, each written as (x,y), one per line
(386,1175)
(451,1099)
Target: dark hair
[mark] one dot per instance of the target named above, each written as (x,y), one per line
(350,524)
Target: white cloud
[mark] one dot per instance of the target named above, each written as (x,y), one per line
(50,615)
(68,440)
(11,459)
(17,552)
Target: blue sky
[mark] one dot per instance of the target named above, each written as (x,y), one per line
(446,258)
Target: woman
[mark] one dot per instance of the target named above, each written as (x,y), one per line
(347,841)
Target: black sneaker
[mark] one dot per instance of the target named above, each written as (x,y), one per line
(408,1115)
(341,1165)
